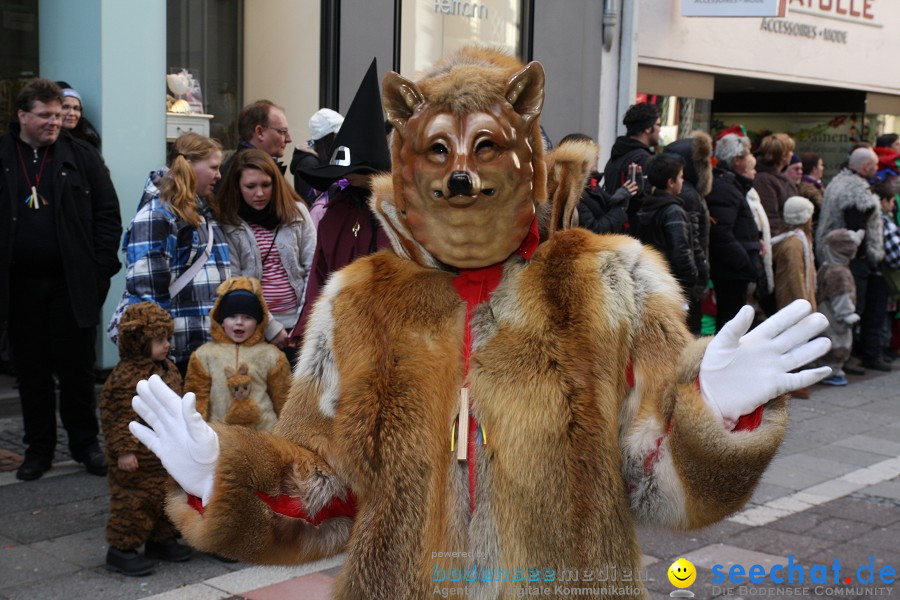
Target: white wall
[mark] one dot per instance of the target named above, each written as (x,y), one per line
(740,46)
(281,59)
(114,53)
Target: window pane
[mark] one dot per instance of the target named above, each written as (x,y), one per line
(18,53)
(435,28)
(204,36)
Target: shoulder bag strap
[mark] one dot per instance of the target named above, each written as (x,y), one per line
(188,276)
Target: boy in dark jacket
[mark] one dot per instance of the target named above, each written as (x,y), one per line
(663,222)
(137,480)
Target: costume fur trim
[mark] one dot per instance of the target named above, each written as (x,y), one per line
(568,167)
(701,154)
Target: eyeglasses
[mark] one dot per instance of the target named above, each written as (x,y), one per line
(47,116)
(282,131)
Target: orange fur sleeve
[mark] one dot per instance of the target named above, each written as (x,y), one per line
(279,382)
(683,468)
(237,523)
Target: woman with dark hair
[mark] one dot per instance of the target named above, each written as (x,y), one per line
(73,121)
(270,235)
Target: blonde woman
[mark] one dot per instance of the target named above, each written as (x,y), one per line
(270,233)
(169,235)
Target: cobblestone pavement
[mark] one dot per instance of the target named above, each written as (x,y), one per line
(831,494)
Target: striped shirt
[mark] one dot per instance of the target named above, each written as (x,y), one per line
(277,290)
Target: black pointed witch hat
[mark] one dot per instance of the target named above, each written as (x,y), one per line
(361,144)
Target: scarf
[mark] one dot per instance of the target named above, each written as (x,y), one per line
(266,218)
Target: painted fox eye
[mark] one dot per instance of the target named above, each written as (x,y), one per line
(439,148)
(484,145)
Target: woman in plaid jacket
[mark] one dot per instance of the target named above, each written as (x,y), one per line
(169,233)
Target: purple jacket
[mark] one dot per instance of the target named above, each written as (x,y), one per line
(347,231)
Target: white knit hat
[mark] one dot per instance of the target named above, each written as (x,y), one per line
(797,210)
(323,122)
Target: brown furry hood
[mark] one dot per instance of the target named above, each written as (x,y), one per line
(696,150)
(140,324)
(251,284)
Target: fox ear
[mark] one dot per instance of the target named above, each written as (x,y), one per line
(401,97)
(525,91)
(229,372)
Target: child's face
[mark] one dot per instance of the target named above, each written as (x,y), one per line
(239,327)
(677,183)
(159,348)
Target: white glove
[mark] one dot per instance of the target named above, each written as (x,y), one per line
(187,447)
(741,371)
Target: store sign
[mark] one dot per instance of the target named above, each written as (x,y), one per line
(473,10)
(733,8)
(853,11)
(813,32)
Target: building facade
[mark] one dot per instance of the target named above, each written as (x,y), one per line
(824,72)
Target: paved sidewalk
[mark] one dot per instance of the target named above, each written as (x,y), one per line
(833,492)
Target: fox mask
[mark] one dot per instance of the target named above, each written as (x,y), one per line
(468,161)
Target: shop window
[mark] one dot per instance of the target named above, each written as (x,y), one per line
(434,28)
(18,53)
(205,38)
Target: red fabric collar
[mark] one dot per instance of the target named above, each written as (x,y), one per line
(476,285)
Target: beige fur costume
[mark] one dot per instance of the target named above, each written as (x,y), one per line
(239,384)
(574,455)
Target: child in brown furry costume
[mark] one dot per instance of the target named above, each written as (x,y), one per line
(836,296)
(137,480)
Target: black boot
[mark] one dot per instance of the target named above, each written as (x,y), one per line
(94,461)
(127,562)
(169,550)
(34,467)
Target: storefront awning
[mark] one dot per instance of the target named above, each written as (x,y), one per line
(674,82)
(882,104)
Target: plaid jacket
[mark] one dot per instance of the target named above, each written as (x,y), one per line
(891,242)
(158,249)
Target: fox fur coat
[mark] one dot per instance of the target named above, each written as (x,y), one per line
(584,385)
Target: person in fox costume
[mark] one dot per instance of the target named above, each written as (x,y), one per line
(501,386)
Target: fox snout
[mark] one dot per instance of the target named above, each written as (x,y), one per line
(460,183)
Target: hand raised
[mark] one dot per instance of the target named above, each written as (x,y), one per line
(740,371)
(185,444)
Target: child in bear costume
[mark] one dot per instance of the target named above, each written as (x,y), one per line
(491,389)
(239,381)
(137,480)
(836,296)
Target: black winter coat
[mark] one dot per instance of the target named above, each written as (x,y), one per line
(598,213)
(733,237)
(664,224)
(625,151)
(88,223)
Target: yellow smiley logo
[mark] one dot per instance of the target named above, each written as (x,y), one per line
(682,573)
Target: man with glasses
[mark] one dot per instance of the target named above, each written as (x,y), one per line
(60,230)
(264,126)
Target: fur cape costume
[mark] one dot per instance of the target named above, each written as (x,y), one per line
(836,294)
(239,384)
(848,190)
(136,506)
(583,378)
